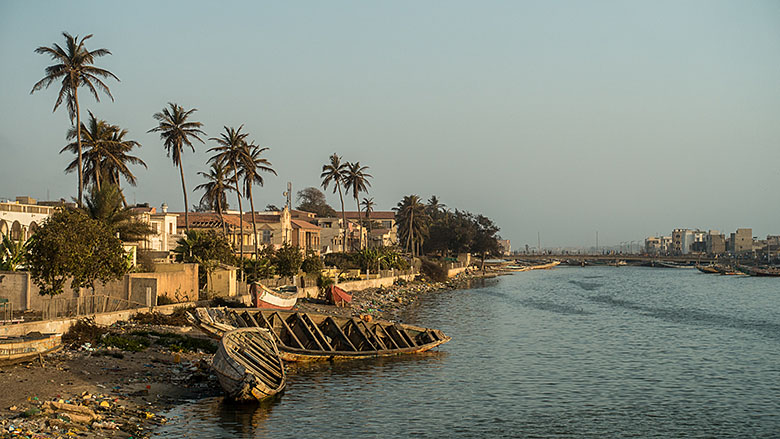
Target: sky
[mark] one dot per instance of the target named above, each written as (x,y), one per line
(556,119)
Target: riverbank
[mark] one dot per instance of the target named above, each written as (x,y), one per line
(112,382)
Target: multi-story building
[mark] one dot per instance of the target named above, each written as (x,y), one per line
(741,241)
(506,247)
(165,232)
(716,243)
(19,219)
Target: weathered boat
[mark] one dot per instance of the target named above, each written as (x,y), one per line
(303,336)
(761,271)
(709,269)
(28,347)
(730,271)
(336,296)
(248,365)
(280,298)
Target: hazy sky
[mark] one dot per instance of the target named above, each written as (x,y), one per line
(563,118)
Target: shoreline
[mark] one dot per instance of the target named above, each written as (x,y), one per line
(123,392)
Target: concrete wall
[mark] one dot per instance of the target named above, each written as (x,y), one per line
(357,285)
(176,281)
(61,326)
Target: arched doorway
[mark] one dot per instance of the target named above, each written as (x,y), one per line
(3,228)
(16,231)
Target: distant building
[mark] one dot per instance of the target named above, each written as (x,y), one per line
(506,247)
(716,243)
(741,241)
(165,232)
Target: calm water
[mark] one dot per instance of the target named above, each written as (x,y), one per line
(587,352)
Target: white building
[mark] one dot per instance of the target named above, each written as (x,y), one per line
(19,219)
(164,228)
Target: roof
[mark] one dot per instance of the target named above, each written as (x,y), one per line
(210,220)
(300,224)
(376,215)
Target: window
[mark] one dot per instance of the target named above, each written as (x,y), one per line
(266,236)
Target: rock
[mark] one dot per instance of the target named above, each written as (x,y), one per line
(76,413)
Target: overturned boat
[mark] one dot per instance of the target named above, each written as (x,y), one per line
(303,336)
(336,296)
(248,365)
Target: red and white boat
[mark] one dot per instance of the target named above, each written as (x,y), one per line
(337,296)
(279,298)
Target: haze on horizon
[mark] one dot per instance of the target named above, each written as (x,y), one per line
(558,118)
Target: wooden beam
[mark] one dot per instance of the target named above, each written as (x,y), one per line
(341,332)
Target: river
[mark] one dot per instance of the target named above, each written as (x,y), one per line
(585,352)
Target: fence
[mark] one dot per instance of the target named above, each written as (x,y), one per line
(6,311)
(81,306)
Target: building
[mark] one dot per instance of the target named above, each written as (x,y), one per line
(653,245)
(165,230)
(716,243)
(274,228)
(19,219)
(741,242)
(506,247)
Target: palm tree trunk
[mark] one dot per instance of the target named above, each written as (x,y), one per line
(78,139)
(343,219)
(97,173)
(221,217)
(240,218)
(186,207)
(254,226)
(360,223)
(411,233)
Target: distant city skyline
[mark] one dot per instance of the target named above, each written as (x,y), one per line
(554,119)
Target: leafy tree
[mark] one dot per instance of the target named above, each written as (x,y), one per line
(288,260)
(312,263)
(105,205)
(334,172)
(215,191)
(74,66)
(485,240)
(249,172)
(356,180)
(272,208)
(69,244)
(368,206)
(313,200)
(207,249)
(176,131)
(13,254)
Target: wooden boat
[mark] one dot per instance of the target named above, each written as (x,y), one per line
(315,337)
(764,272)
(709,269)
(28,347)
(279,298)
(730,271)
(337,296)
(248,365)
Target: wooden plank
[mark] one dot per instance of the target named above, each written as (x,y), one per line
(406,336)
(341,332)
(286,326)
(310,332)
(317,329)
(359,330)
(262,354)
(384,331)
(251,320)
(366,330)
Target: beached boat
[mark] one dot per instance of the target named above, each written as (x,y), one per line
(709,269)
(280,298)
(315,337)
(28,347)
(248,365)
(336,296)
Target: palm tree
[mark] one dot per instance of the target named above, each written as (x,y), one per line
(176,131)
(105,153)
(368,206)
(230,153)
(435,207)
(412,222)
(334,172)
(216,188)
(105,205)
(356,179)
(250,170)
(73,64)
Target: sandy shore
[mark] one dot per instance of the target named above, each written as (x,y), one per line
(126,391)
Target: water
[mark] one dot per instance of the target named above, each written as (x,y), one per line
(586,352)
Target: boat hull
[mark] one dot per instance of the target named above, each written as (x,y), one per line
(248,365)
(280,298)
(338,297)
(318,337)
(30,347)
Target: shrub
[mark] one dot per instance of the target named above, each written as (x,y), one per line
(433,270)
